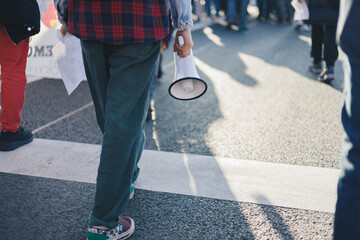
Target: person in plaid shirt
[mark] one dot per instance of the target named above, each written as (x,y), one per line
(120,42)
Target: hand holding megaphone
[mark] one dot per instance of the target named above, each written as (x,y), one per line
(184,50)
(187,84)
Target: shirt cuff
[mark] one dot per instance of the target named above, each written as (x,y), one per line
(184,24)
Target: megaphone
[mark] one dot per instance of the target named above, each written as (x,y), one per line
(187,84)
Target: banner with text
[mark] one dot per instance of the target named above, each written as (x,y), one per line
(41,61)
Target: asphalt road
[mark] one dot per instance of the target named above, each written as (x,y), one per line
(262,105)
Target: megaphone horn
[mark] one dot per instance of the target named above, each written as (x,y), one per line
(187,85)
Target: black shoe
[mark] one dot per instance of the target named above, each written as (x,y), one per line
(10,141)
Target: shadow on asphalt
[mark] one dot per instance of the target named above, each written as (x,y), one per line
(275,219)
(42,208)
(261,51)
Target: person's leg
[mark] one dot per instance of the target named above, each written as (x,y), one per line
(330,53)
(152,89)
(237,10)
(208,7)
(224,6)
(154,81)
(260,5)
(243,14)
(13,81)
(280,10)
(98,89)
(217,7)
(13,64)
(269,8)
(231,11)
(330,48)
(289,10)
(317,35)
(193,7)
(130,68)
(347,214)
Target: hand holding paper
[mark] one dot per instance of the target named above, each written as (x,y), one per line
(69,59)
(64,30)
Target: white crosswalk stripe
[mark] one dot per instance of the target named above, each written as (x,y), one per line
(275,184)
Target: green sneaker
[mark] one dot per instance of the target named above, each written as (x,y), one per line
(124,230)
(132,191)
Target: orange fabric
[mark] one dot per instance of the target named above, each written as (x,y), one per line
(13,80)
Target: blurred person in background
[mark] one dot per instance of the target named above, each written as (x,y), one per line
(323,19)
(234,6)
(289,11)
(265,7)
(208,4)
(19,19)
(284,11)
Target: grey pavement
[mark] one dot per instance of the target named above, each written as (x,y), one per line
(262,105)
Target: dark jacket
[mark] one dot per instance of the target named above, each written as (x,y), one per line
(323,11)
(21,18)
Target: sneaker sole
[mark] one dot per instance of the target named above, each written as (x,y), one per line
(5,147)
(127,234)
(124,235)
(326,78)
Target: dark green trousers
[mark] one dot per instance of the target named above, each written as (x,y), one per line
(119,78)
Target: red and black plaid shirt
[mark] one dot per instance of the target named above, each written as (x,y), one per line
(118,21)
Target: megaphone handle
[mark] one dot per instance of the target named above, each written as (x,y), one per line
(181,41)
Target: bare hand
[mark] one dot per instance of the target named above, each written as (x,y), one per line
(184,50)
(64,30)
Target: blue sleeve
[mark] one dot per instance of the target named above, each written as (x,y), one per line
(181,14)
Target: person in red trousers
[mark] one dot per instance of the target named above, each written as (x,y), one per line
(19,19)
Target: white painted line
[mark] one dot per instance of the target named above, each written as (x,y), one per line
(62,118)
(275,184)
